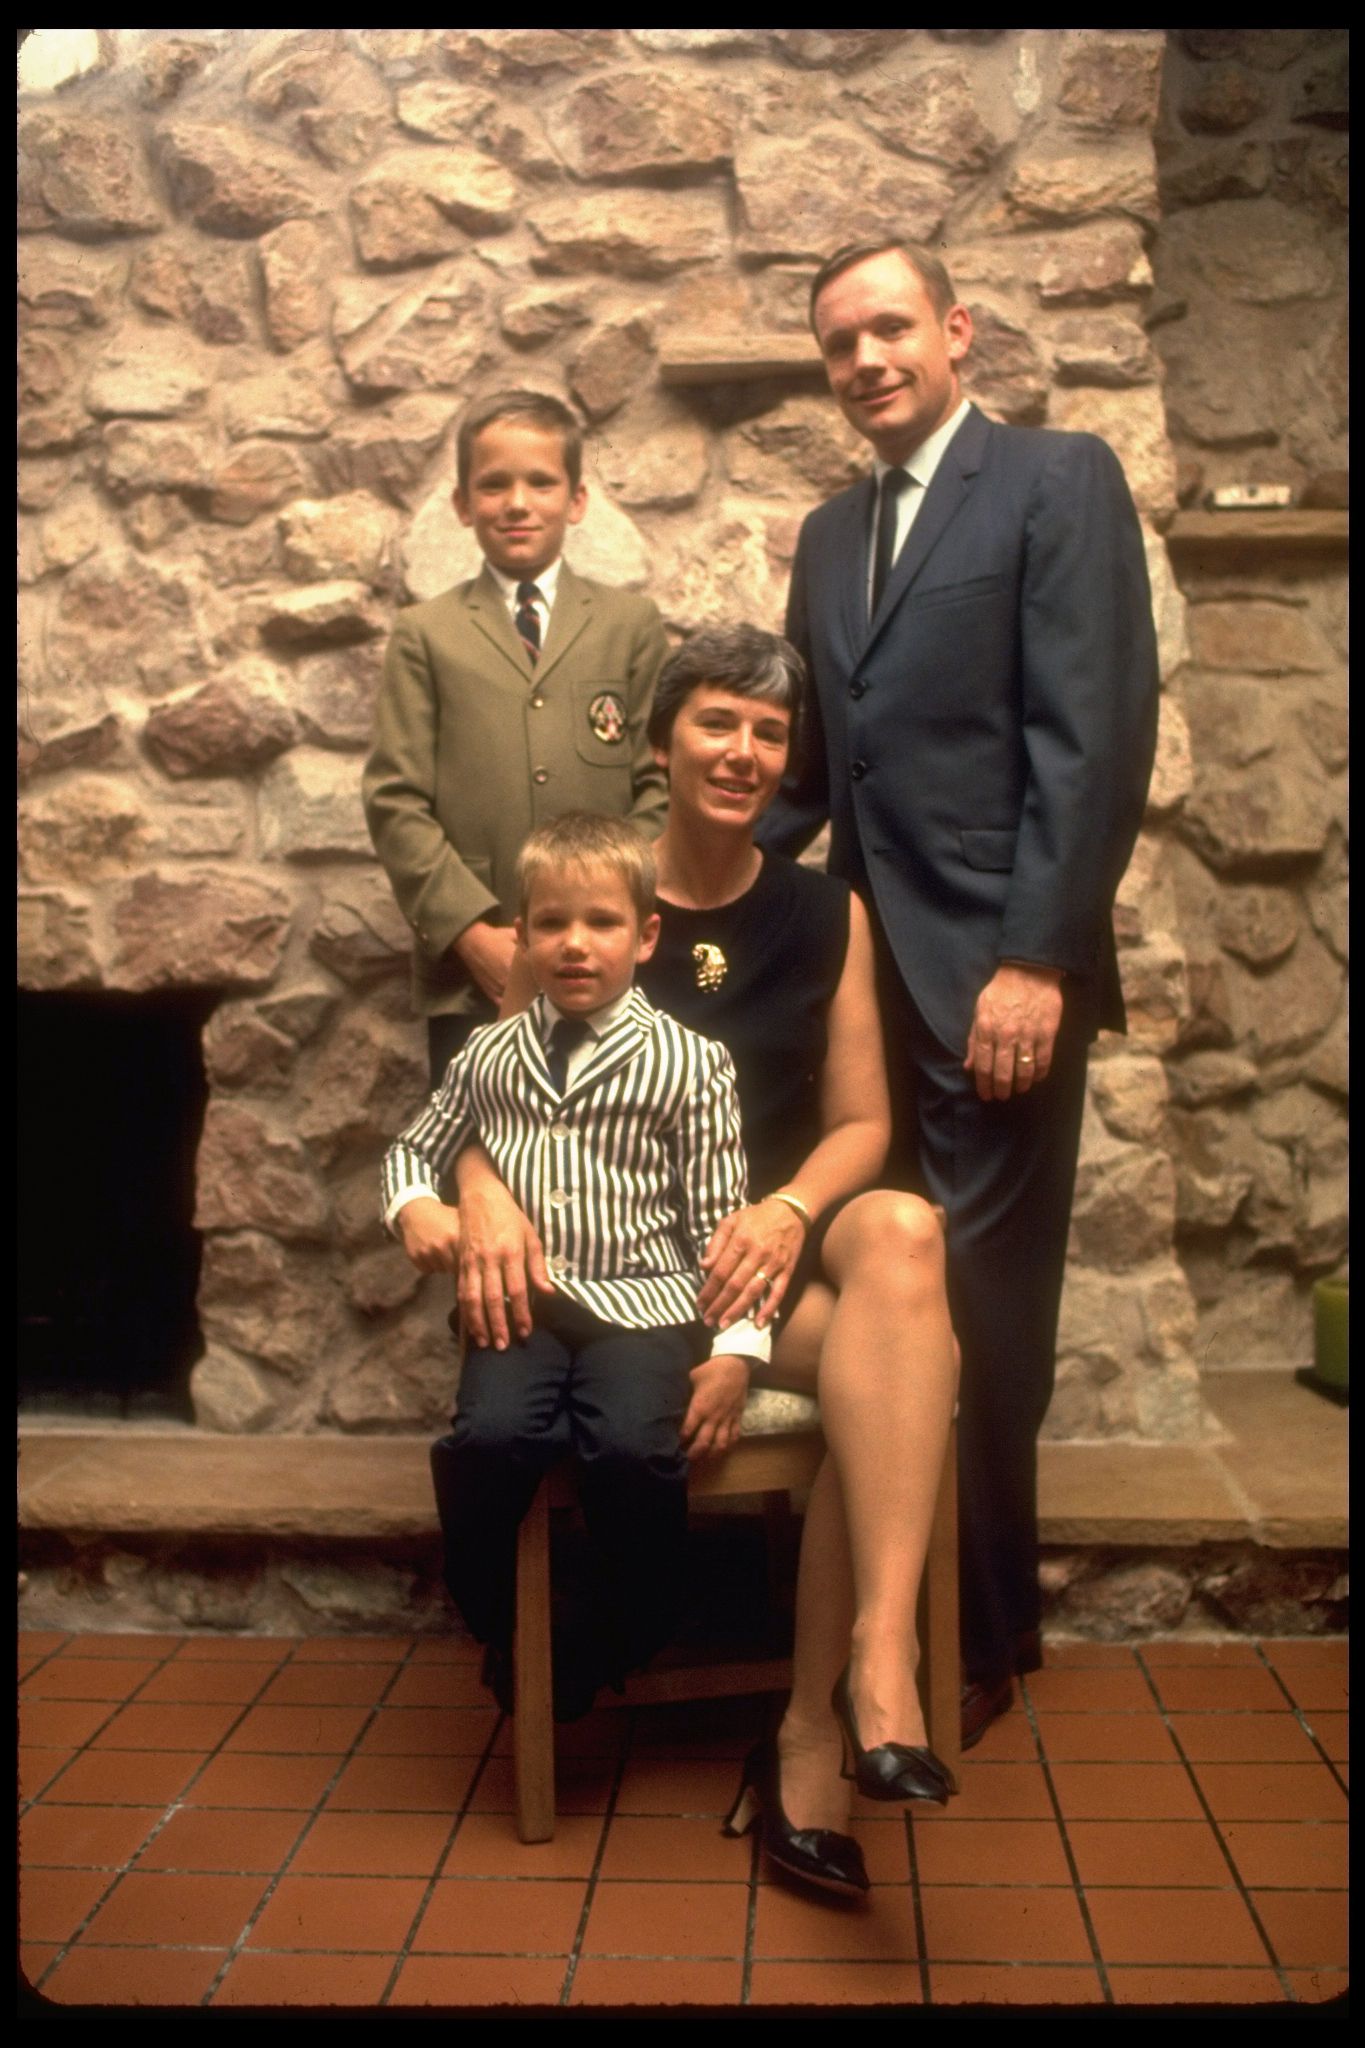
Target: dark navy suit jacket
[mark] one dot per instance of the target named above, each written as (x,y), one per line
(983,746)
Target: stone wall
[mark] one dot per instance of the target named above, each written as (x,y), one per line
(1250,306)
(259,275)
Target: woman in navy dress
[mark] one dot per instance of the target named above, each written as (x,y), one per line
(776,961)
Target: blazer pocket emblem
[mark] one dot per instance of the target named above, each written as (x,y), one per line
(607,717)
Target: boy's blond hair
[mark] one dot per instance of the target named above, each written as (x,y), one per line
(539,409)
(582,839)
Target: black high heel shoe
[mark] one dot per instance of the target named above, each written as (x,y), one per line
(892,1770)
(818,1855)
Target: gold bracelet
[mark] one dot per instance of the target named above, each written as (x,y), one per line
(793,1202)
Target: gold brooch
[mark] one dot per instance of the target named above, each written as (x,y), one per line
(711,965)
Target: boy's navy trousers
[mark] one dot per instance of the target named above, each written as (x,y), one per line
(615,1399)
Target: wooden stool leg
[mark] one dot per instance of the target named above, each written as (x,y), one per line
(533,1728)
(941,1665)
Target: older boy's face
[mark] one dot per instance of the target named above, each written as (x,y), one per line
(518,498)
(583,938)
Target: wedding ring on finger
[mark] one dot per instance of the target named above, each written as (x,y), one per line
(1025,1059)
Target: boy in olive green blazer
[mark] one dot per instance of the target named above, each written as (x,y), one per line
(506,701)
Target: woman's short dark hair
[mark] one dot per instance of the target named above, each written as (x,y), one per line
(538,409)
(742,659)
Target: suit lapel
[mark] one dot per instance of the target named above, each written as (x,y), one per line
(488,610)
(952,481)
(572,610)
(852,567)
(530,1047)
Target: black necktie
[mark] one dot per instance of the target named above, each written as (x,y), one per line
(528,618)
(566,1035)
(893,483)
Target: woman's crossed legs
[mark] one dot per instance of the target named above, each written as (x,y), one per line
(874,1342)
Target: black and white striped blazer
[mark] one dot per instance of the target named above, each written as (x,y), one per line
(624,1177)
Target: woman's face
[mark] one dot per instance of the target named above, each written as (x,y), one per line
(726,757)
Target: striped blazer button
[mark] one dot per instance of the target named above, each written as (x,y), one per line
(558,1198)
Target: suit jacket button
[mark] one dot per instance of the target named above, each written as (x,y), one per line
(537,703)
(858,770)
(541,775)
(857,689)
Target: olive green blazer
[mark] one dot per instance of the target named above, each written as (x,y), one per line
(474,747)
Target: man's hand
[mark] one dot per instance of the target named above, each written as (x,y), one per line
(1014,1030)
(486,950)
(431,1234)
(501,1258)
(720,1387)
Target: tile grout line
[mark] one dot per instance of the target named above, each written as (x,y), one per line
(462,1814)
(917,1902)
(590,1891)
(169,1810)
(1301,1716)
(1193,1776)
(746,1968)
(1078,1888)
(310,1814)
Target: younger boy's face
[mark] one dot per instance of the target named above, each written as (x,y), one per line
(518,497)
(583,938)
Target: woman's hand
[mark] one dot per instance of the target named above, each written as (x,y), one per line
(500,1259)
(748,1264)
(720,1387)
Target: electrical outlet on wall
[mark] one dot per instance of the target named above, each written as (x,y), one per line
(1250,497)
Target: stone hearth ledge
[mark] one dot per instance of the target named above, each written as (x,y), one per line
(1276,1475)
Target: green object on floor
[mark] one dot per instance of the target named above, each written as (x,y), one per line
(1330,1371)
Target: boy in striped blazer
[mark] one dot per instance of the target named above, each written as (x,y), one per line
(617,1132)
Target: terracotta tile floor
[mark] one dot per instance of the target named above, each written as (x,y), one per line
(328,1821)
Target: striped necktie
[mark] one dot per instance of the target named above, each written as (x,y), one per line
(528,618)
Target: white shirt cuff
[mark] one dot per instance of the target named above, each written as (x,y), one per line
(401,1200)
(744,1339)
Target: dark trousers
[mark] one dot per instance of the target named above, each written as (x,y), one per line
(1005,1173)
(615,1398)
(448,1035)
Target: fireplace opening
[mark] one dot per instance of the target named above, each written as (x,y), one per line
(111,1105)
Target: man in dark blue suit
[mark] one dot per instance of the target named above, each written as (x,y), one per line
(977,621)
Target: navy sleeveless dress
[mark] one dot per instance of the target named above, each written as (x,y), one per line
(759,975)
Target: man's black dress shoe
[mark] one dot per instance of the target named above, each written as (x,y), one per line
(819,1855)
(984,1701)
(892,1770)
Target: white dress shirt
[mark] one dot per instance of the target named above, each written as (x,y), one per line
(547,582)
(920,468)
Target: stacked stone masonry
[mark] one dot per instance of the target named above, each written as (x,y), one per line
(1250,266)
(260,274)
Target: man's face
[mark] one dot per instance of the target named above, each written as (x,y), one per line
(892,361)
(583,937)
(518,497)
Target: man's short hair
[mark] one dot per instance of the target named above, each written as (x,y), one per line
(932,273)
(581,839)
(742,659)
(539,409)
